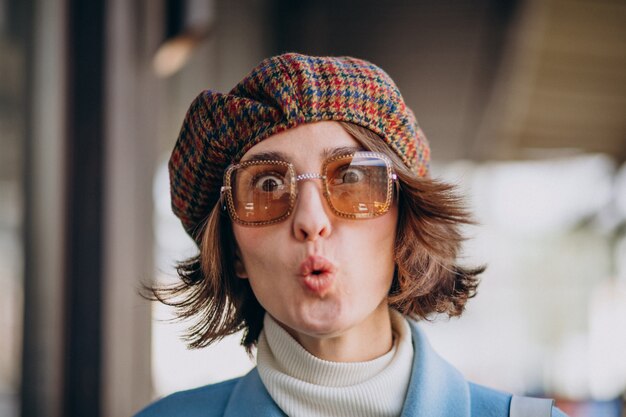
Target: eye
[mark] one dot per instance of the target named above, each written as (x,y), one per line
(352,176)
(348,175)
(269,182)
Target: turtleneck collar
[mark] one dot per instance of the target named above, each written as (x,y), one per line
(304,385)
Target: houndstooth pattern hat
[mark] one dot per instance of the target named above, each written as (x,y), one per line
(280,93)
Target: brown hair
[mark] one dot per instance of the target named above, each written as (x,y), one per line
(427,279)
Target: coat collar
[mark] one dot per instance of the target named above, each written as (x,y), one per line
(436,388)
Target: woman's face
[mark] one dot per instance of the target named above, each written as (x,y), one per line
(320,276)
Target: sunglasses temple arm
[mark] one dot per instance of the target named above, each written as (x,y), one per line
(223,190)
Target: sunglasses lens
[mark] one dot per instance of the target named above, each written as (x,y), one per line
(261,192)
(359,186)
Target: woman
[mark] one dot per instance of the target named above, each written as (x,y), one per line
(323,238)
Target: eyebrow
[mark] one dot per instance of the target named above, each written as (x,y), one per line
(267,156)
(280,156)
(342,150)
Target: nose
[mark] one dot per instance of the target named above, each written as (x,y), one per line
(311,218)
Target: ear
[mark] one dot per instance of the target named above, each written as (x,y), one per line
(240,268)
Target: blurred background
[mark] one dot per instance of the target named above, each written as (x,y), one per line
(523,101)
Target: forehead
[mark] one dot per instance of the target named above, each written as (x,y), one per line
(309,142)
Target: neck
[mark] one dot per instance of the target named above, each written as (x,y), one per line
(353,345)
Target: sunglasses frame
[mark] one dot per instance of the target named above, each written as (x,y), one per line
(226,194)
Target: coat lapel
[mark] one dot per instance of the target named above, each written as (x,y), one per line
(250,398)
(436,388)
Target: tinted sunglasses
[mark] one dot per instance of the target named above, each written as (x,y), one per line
(357,185)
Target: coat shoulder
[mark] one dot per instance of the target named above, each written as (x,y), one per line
(488,402)
(206,401)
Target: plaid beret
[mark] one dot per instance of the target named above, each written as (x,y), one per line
(280,93)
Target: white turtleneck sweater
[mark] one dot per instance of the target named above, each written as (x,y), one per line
(305,386)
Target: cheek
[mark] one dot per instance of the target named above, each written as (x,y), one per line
(383,231)
(245,237)
(387,231)
(375,243)
(253,245)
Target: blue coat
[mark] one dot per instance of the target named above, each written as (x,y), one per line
(436,389)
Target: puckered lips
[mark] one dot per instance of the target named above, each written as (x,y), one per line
(318,275)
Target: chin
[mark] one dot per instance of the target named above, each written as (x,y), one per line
(322,324)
